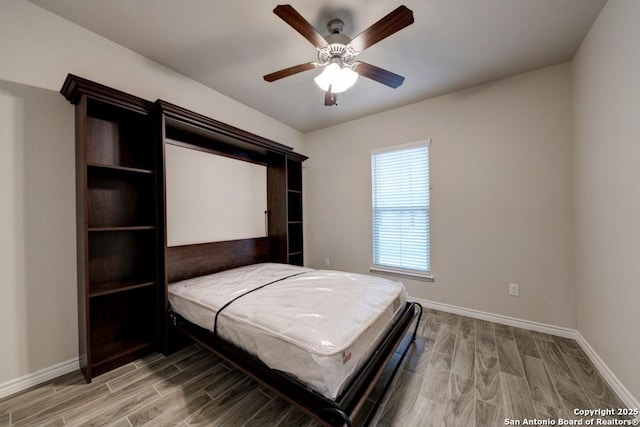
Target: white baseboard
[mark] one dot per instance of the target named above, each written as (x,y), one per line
(498,318)
(20,384)
(616,385)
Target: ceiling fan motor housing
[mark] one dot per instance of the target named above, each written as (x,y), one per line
(338,47)
(336,50)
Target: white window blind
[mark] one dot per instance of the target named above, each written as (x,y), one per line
(400,187)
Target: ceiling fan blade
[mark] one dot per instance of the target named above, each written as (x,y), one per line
(378,74)
(289,71)
(289,15)
(393,22)
(330,98)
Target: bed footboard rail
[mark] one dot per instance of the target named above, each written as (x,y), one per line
(371,384)
(360,398)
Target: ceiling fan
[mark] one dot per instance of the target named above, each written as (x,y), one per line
(337,52)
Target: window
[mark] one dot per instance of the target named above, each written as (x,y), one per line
(400,190)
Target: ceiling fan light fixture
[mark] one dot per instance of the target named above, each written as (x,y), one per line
(337,52)
(338,76)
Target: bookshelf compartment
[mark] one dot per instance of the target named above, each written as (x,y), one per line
(295,259)
(294,206)
(117,200)
(118,137)
(294,175)
(122,324)
(121,256)
(295,237)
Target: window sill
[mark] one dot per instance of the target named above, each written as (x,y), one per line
(405,274)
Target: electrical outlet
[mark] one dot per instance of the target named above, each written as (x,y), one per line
(327,262)
(514,289)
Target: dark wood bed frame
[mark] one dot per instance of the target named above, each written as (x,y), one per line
(361,398)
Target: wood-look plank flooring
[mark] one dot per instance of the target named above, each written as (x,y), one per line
(460,372)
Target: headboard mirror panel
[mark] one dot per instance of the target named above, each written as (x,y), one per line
(212,198)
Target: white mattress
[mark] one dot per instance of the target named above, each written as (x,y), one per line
(318,325)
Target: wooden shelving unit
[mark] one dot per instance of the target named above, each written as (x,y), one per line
(284,198)
(294,212)
(119,287)
(121,227)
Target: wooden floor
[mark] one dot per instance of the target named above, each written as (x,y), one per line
(462,372)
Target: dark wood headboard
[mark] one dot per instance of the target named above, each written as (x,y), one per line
(185,262)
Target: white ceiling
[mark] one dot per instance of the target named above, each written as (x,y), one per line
(230,45)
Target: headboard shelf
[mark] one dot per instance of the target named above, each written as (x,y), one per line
(201,143)
(207,131)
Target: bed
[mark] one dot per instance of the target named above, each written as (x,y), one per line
(321,339)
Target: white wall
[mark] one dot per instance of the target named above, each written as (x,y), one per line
(501,177)
(37,225)
(607,188)
(37,188)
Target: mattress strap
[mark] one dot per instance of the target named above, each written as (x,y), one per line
(215,320)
